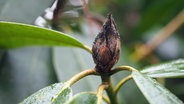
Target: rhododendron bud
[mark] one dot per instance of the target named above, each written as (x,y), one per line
(106,48)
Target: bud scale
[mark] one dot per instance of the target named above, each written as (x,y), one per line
(106,47)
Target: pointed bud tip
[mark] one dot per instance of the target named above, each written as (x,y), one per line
(109,26)
(109,16)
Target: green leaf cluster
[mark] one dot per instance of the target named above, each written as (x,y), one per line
(155,93)
(25,70)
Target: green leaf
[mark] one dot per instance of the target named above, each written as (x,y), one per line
(50,95)
(83,98)
(18,35)
(153,91)
(166,70)
(18,66)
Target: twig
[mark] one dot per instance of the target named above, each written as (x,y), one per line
(110,92)
(100,93)
(58,12)
(105,98)
(80,75)
(123,81)
(122,68)
(86,14)
(144,50)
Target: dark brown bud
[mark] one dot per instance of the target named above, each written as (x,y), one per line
(106,48)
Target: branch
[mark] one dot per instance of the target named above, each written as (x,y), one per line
(80,75)
(58,12)
(122,68)
(110,92)
(123,81)
(145,49)
(100,92)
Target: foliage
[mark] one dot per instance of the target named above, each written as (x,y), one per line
(25,70)
(153,91)
(62,93)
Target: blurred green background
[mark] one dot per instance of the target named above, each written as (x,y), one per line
(23,71)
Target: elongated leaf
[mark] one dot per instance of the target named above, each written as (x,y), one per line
(83,98)
(50,95)
(153,91)
(18,35)
(166,70)
(18,66)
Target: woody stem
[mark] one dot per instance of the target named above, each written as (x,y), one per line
(110,92)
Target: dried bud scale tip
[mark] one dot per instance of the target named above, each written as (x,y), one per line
(106,48)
